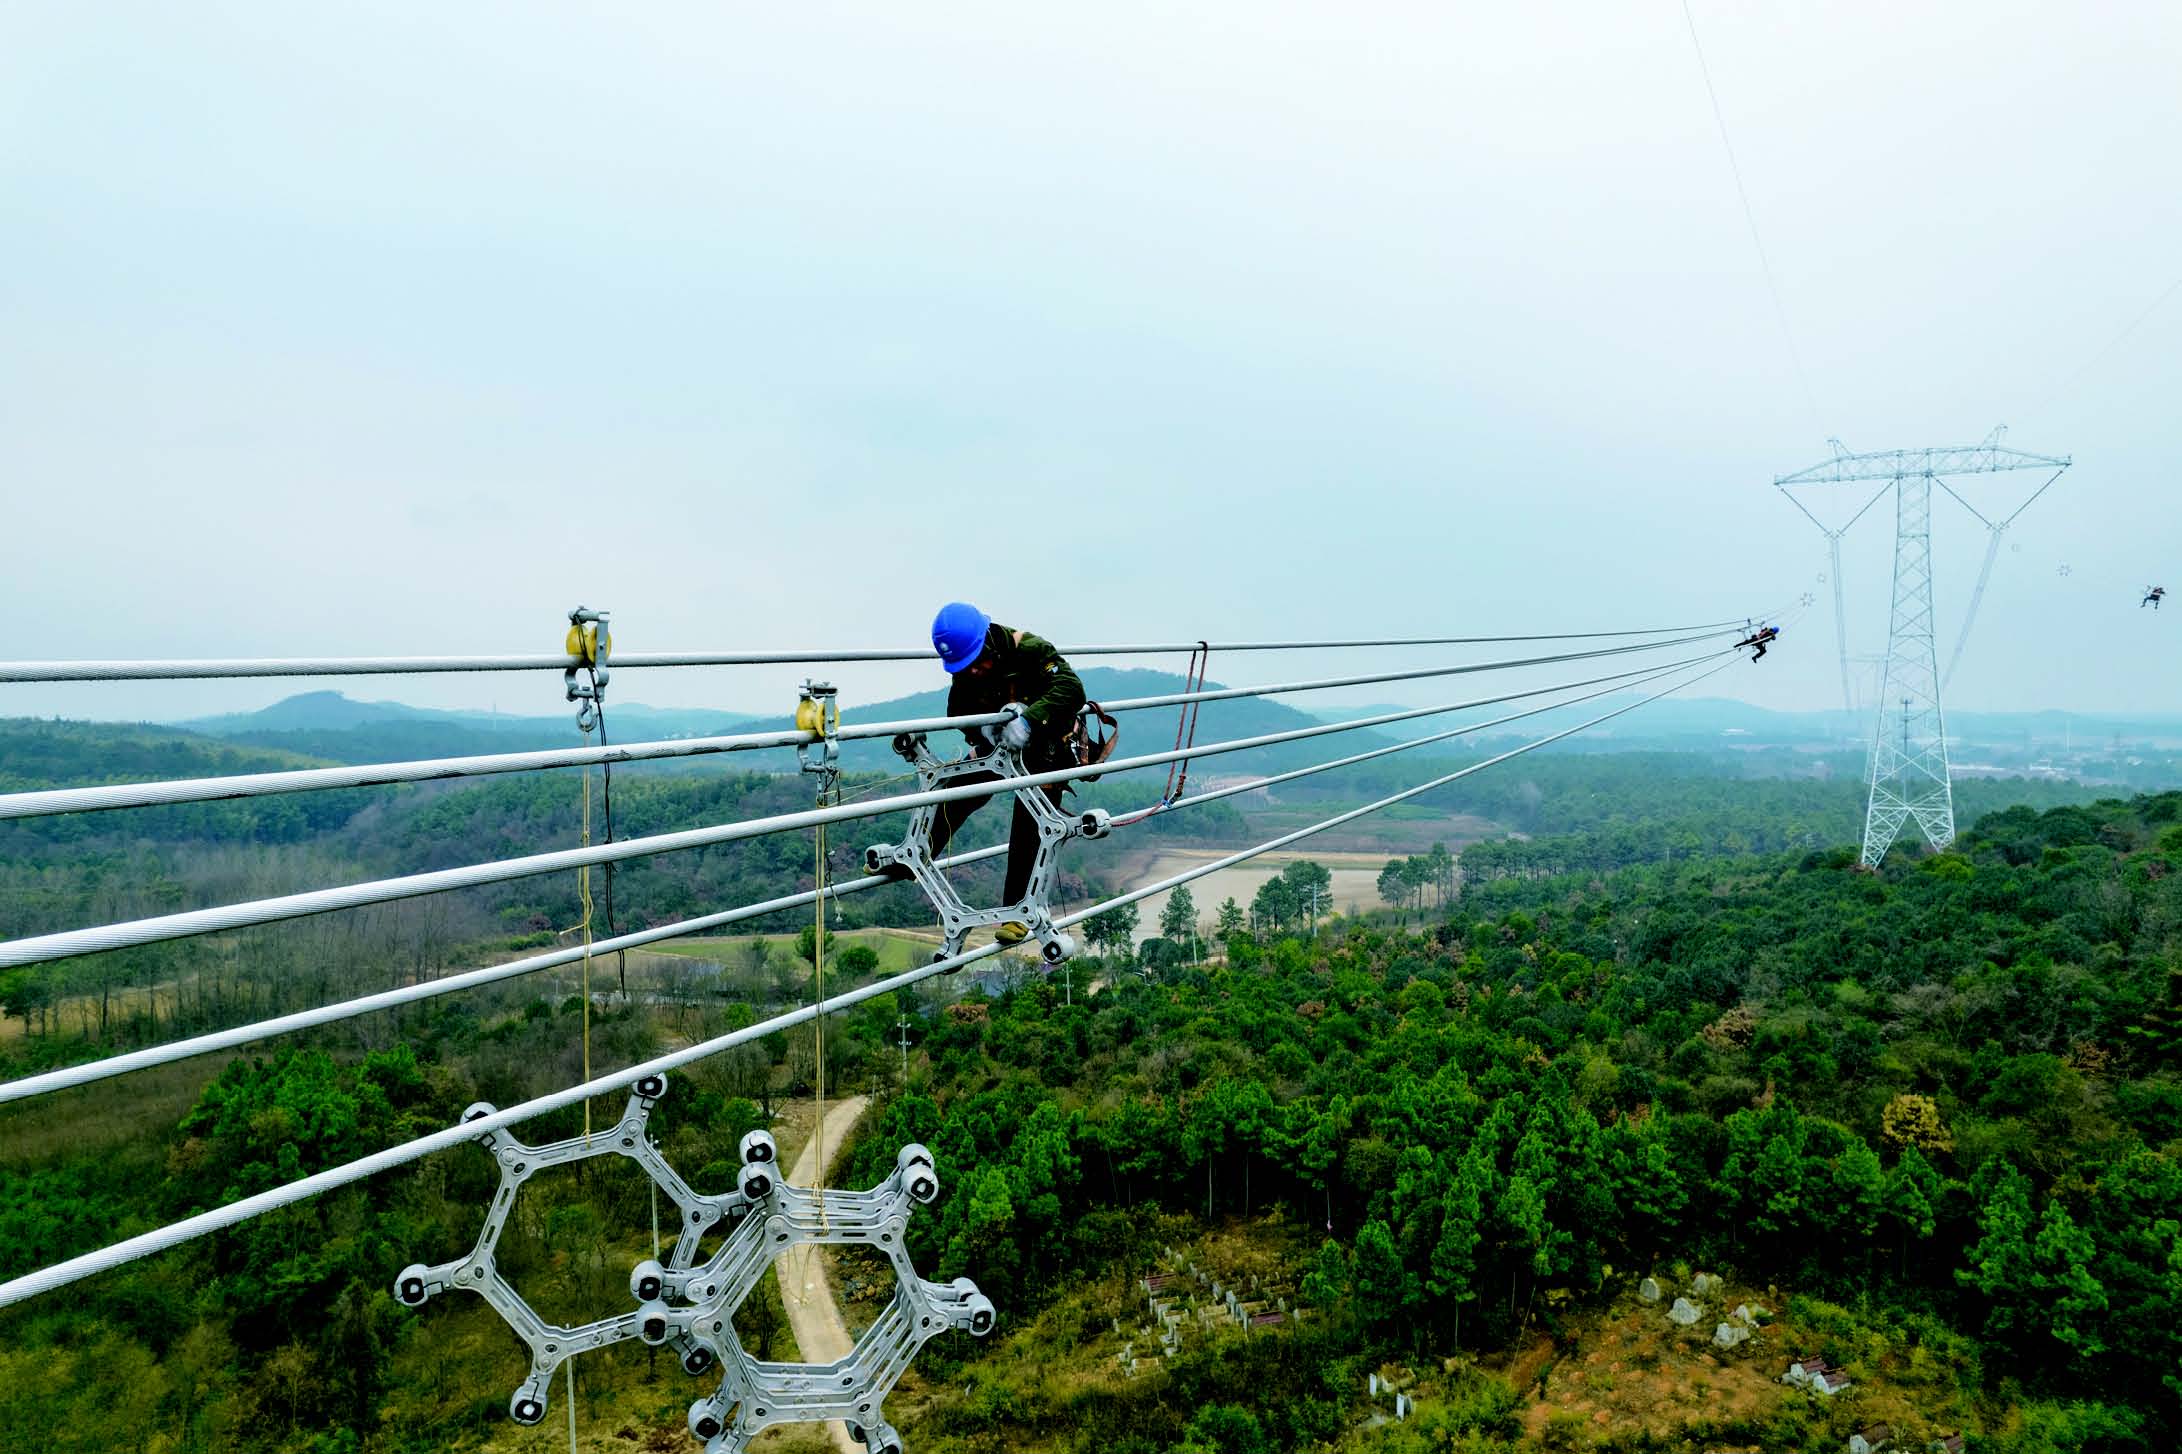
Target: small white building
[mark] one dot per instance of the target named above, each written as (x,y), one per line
(1817,1375)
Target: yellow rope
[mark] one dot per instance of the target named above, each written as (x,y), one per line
(583,891)
(818,1021)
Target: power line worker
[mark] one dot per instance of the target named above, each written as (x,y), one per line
(2152,598)
(994,666)
(1761,639)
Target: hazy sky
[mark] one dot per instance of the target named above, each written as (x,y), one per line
(384,329)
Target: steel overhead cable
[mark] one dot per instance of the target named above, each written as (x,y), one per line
(45,802)
(1275,689)
(37,949)
(84,1074)
(139,671)
(40,948)
(1272,844)
(161,1239)
(1750,216)
(2062,388)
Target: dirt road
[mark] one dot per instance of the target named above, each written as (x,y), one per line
(804,1291)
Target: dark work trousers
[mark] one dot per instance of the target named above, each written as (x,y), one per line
(1022,832)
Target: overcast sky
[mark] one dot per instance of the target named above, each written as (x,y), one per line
(363,330)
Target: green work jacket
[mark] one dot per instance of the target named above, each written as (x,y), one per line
(1030,671)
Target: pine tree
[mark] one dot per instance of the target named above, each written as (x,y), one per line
(2063,1255)
(1859,1191)
(2000,1266)
(1454,1256)
(1378,1275)
(1178,920)
(1911,1200)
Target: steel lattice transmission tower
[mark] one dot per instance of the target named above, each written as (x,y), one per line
(1909,775)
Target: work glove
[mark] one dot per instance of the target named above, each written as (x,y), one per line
(1015,732)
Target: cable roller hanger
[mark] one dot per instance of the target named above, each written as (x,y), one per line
(175,1234)
(590,644)
(70,1076)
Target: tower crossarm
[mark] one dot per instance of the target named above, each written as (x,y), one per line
(1896,464)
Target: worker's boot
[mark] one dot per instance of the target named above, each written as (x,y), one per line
(1011,932)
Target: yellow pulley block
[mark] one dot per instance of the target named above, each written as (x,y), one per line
(818,712)
(588,645)
(818,715)
(588,642)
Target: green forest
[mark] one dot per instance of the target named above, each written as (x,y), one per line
(1938,1108)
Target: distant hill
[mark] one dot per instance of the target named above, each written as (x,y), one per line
(330,725)
(38,753)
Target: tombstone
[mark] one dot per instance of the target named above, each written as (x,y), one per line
(1728,1335)
(1401,1406)
(1650,1290)
(1704,1284)
(1684,1312)
(1375,1385)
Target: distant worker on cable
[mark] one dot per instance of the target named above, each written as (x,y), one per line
(2152,598)
(995,666)
(1760,638)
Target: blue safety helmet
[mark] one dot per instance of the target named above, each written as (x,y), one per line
(958,634)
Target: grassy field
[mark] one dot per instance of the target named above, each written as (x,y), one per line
(898,949)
